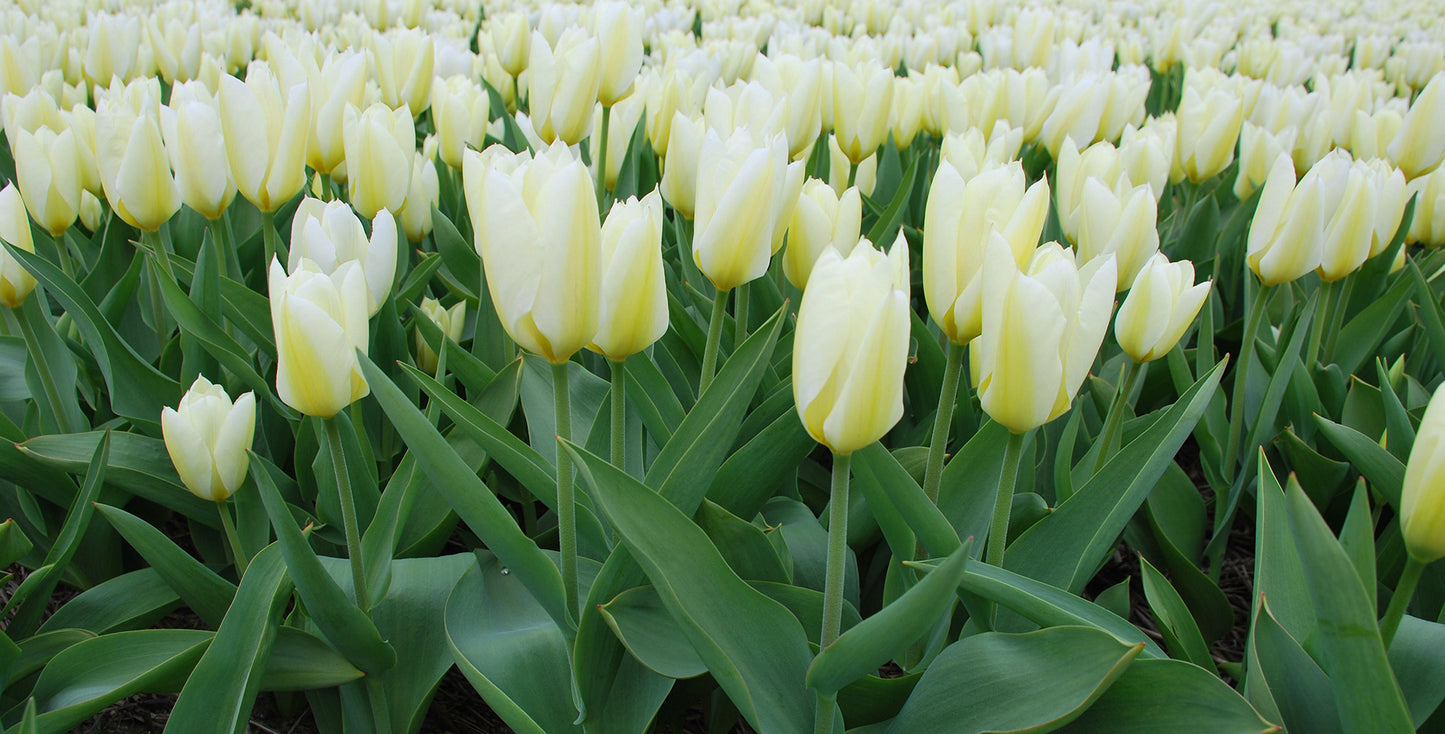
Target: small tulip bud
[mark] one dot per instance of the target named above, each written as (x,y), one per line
(1161,305)
(449,320)
(207,437)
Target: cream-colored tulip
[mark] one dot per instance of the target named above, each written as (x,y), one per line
(30,112)
(562,85)
(114,42)
(539,236)
(1042,327)
(799,85)
(47,169)
(512,37)
(618,27)
(338,83)
(1427,227)
(1208,129)
(850,347)
(451,321)
(821,220)
(1371,135)
(1286,237)
(135,170)
(1076,114)
(423,194)
(634,288)
(680,169)
(380,144)
(862,100)
(402,63)
(1419,146)
(177,48)
(265,129)
(906,116)
(960,219)
(1146,155)
(1162,302)
(1422,508)
(1119,222)
(90,211)
(740,188)
(1258,149)
(969,152)
(1350,204)
(789,191)
(20,64)
(1391,197)
(192,125)
(459,110)
(208,437)
(328,235)
(319,321)
(864,179)
(1075,168)
(15,281)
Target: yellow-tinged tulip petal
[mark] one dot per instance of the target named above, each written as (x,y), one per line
(1422,501)
(207,437)
(634,289)
(1161,305)
(15,281)
(319,322)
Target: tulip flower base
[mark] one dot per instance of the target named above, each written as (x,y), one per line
(876,368)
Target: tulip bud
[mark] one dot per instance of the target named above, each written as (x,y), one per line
(265,129)
(340,82)
(906,117)
(1146,154)
(679,173)
(380,144)
(1422,508)
(1351,204)
(1075,168)
(1162,302)
(111,52)
(191,127)
(459,109)
(1391,197)
(850,346)
(1258,149)
(822,219)
(47,168)
(449,320)
(539,236)
(1208,128)
(1288,231)
(1042,328)
(1428,225)
(634,288)
(402,63)
(1076,114)
(862,100)
(797,84)
(319,322)
(207,437)
(512,37)
(786,198)
(423,195)
(1118,222)
(563,84)
(90,211)
(329,235)
(969,152)
(15,281)
(1419,146)
(618,27)
(960,219)
(1371,135)
(135,170)
(741,184)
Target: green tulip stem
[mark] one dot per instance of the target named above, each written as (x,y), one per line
(1337,314)
(1400,599)
(1323,310)
(1008,477)
(163,256)
(221,231)
(942,421)
(348,512)
(566,500)
(714,335)
(47,379)
(67,266)
(269,238)
(325,186)
(852,174)
(380,712)
(833,585)
(232,538)
(740,316)
(619,412)
(1116,413)
(1241,374)
(602,161)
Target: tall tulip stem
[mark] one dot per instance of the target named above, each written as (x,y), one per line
(602,160)
(232,538)
(1008,478)
(942,421)
(1116,413)
(833,585)
(619,412)
(221,232)
(1323,311)
(269,239)
(852,174)
(714,335)
(163,256)
(1404,591)
(1241,373)
(566,501)
(348,511)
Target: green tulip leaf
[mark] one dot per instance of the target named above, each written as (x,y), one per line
(13,543)
(302,661)
(129,601)
(138,464)
(884,481)
(1181,635)
(1173,696)
(1417,655)
(643,624)
(1282,676)
(38,649)
(203,591)
(1384,472)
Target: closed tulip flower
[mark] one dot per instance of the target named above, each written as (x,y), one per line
(1042,327)
(1427,227)
(1419,146)
(459,109)
(799,84)
(1258,149)
(512,37)
(822,220)
(562,85)
(338,83)
(679,172)
(960,219)
(1351,203)
(1076,113)
(1208,129)
(15,281)
(1118,222)
(1422,502)
(319,321)
(740,189)
(850,346)
(135,170)
(328,235)
(451,321)
(539,236)
(114,43)
(424,193)
(1100,161)
(1287,234)
(207,437)
(191,126)
(265,128)
(634,288)
(380,144)
(618,28)
(1371,135)
(47,168)
(1162,302)
(862,101)
(402,63)
(864,179)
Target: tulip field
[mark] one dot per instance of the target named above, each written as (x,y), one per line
(698,366)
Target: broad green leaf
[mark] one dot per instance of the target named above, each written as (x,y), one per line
(1281,670)
(1417,655)
(1429,312)
(38,649)
(1357,538)
(991,682)
(138,464)
(969,485)
(13,358)
(859,651)
(13,543)
(755,472)
(884,480)
(1181,634)
(217,343)
(1384,472)
(206,593)
(753,646)
(129,601)
(300,661)
(653,399)
(742,544)
(807,606)
(221,691)
(1278,573)
(1169,696)
(1399,428)
(639,619)
(1361,337)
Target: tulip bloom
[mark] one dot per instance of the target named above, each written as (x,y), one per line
(1161,304)
(1208,128)
(449,320)
(851,346)
(207,437)
(338,84)
(459,109)
(319,322)
(1422,502)
(634,289)
(1419,146)
(192,127)
(821,220)
(562,85)
(862,102)
(1428,225)
(47,168)
(1042,327)
(15,281)
(512,37)
(618,27)
(402,63)
(329,235)
(265,128)
(740,190)
(679,172)
(424,193)
(1287,235)
(539,236)
(135,170)
(380,144)
(1118,222)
